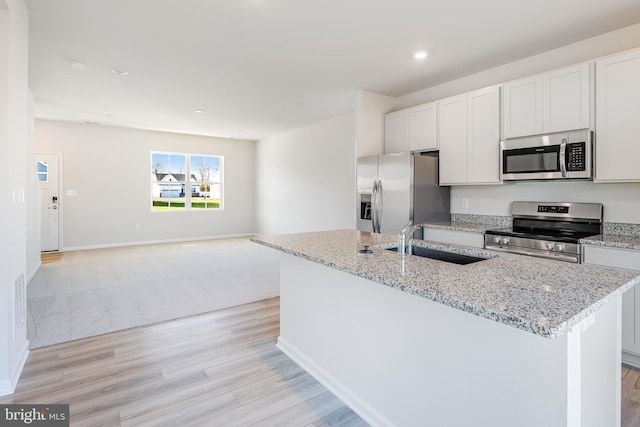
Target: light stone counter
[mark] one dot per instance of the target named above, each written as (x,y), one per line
(544,297)
(613,241)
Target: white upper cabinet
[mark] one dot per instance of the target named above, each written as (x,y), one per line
(522,103)
(395,132)
(566,99)
(452,134)
(469,136)
(422,129)
(617,146)
(483,129)
(411,129)
(555,101)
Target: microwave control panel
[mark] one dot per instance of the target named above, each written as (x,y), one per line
(576,157)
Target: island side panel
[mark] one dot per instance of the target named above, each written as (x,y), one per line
(399,359)
(601,367)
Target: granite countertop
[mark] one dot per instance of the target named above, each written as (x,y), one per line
(613,241)
(540,296)
(616,235)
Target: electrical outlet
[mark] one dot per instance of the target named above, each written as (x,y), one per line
(465,204)
(138,227)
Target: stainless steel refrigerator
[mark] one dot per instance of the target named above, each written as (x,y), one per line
(394,189)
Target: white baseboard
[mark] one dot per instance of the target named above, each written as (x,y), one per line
(362,408)
(33,273)
(631,359)
(8,386)
(154,242)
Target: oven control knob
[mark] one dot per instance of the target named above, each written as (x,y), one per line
(505,240)
(496,239)
(550,245)
(560,247)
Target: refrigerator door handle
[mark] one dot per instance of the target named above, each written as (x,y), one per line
(374,207)
(374,210)
(378,206)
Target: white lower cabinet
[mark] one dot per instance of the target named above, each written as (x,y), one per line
(454,237)
(629,260)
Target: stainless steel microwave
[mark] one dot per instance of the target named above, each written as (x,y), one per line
(563,155)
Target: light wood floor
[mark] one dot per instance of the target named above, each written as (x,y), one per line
(216,369)
(630,396)
(49,257)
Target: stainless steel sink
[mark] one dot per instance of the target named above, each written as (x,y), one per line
(441,255)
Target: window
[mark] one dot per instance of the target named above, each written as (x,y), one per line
(205,194)
(43,171)
(186,181)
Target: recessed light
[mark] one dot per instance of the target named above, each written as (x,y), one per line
(76,65)
(300,104)
(240,130)
(199,111)
(421,54)
(119,71)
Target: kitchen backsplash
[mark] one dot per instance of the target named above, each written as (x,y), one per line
(613,228)
(621,201)
(621,229)
(498,221)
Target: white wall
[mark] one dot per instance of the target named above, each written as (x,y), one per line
(370,108)
(305,178)
(34,239)
(14,141)
(621,201)
(110,169)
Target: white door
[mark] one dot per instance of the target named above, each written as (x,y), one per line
(47,168)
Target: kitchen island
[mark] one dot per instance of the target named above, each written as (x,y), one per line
(404,340)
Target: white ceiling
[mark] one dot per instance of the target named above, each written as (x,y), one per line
(261,67)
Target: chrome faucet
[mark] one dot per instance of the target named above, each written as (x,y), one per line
(405,237)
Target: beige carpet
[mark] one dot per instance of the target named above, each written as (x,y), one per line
(88,293)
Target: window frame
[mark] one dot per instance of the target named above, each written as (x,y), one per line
(190,182)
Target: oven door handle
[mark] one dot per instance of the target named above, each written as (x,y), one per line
(563,157)
(539,254)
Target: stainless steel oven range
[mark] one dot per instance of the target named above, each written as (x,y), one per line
(547,229)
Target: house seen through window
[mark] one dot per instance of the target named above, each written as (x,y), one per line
(182,181)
